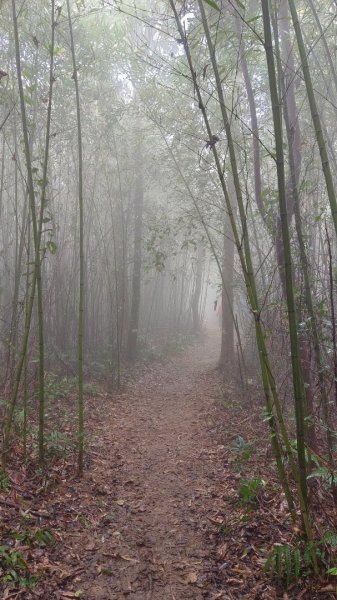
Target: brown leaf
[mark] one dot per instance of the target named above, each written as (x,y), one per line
(191,577)
(91,546)
(328,588)
(128,558)
(216,520)
(222,550)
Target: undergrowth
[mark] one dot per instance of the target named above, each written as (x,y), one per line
(288,563)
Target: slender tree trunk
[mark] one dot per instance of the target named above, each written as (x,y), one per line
(195,304)
(254,127)
(227,353)
(81,253)
(131,351)
(333,312)
(37,224)
(315,114)
(298,383)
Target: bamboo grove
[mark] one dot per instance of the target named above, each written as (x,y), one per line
(152,157)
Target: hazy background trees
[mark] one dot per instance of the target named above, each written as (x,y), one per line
(206,163)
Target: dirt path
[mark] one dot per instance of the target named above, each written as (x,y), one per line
(136,522)
(158,513)
(155,538)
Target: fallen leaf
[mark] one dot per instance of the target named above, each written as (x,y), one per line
(90,547)
(328,588)
(191,577)
(129,558)
(216,520)
(222,550)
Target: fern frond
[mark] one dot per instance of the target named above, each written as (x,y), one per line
(287,560)
(297,564)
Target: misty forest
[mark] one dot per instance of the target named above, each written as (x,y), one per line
(168,299)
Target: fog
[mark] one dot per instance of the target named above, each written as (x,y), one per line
(168,175)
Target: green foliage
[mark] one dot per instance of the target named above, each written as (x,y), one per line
(249,490)
(284,562)
(5,483)
(212,4)
(326,476)
(330,538)
(41,537)
(267,415)
(58,444)
(83,519)
(243,448)
(61,388)
(51,247)
(19,423)
(288,563)
(156,255)
(12,565)
(91,389)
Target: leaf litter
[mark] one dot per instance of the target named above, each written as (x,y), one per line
(157,514)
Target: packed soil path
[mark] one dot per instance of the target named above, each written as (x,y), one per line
(153,546)
(136,525)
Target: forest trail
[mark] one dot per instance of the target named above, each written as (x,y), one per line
(156,544)
(158,514)
(145,517)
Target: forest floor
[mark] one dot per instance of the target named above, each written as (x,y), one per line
(158,513)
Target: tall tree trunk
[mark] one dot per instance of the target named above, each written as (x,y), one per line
(298,383)
(315,114)
(81,253)
(195,303)
(227,301)
(37,224)
(254,127)
(131,350)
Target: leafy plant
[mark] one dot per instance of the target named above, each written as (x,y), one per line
(5,483)
(330,538)
(91,389)
(61,388)
(327,477)
(83,519)
(243,448)
(288,563)
(58,443)
(42,537)
(284,562)
(249,489)
(12,564)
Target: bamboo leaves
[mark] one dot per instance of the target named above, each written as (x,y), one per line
(212,4)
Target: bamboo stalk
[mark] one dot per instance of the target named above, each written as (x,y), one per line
(298,383)
(81,253)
